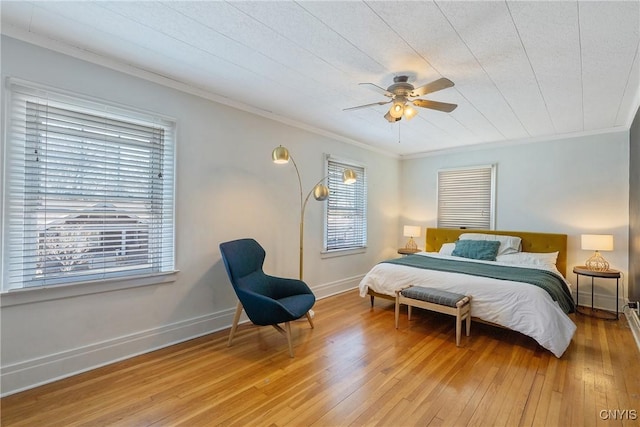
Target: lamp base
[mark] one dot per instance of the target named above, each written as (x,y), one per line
(597,263)
(411,244)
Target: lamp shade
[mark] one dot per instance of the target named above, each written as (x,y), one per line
(597,242)
(396,110)
(280,155)
(321,192)
(411,231)
(349,176)
(390,119)
(409,112)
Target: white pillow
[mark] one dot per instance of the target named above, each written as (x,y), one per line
(508,244)
(542,259)
(447,248)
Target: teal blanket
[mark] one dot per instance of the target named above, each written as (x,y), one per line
(547,280)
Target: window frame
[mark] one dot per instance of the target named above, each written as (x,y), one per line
(19,93)
(492,196)
(362,181)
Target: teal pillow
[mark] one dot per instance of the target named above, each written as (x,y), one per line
(477,249)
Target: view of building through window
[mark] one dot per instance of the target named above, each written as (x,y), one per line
(75,244)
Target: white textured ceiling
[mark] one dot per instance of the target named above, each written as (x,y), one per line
(521,69)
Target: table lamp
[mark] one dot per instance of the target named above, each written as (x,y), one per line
(411,231)
(597,242)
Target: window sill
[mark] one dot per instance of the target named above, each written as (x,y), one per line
(342,252)
(50,293)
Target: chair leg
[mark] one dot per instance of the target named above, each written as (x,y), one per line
(236,318)
(287,333)
(288,328)
(310,319)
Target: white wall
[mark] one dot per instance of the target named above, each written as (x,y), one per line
(574,186)
(227,188)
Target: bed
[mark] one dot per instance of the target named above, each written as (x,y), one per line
(538,308)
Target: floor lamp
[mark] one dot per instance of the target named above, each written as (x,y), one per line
(280,155)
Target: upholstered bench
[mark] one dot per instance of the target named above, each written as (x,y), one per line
(436,300)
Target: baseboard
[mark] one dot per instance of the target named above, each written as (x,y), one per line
(35,372)
(337,287)
(602,302)
(634,323)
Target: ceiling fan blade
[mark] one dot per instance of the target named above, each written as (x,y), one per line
(367,105)
(434,86)
(435,105)
(378,89)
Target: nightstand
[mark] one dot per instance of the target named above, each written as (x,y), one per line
(607,274)
(405,251)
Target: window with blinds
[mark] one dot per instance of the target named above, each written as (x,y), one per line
(466,197)
(346,208)
(89,191)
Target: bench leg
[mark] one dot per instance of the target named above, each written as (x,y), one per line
(462,311)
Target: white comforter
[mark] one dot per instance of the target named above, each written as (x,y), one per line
(526,309)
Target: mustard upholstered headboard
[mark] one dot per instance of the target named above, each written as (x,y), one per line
(531,241)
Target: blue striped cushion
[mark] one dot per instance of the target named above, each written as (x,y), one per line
(432,295)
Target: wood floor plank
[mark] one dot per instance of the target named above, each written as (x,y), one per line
(353,369)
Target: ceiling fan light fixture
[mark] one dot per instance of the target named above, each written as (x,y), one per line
(390,118)
(410,112)
(397,109)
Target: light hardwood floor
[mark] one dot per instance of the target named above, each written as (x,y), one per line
(356,369)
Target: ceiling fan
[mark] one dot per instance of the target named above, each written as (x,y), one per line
(402,94)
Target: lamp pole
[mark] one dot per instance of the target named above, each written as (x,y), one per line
(280,155)
(320,192)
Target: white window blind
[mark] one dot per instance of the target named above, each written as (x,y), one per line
(346,209)
(465,197)
(89,191)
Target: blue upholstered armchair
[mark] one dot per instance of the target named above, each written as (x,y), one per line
(267,300)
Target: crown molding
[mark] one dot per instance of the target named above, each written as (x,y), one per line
(141,73)
(509,143)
